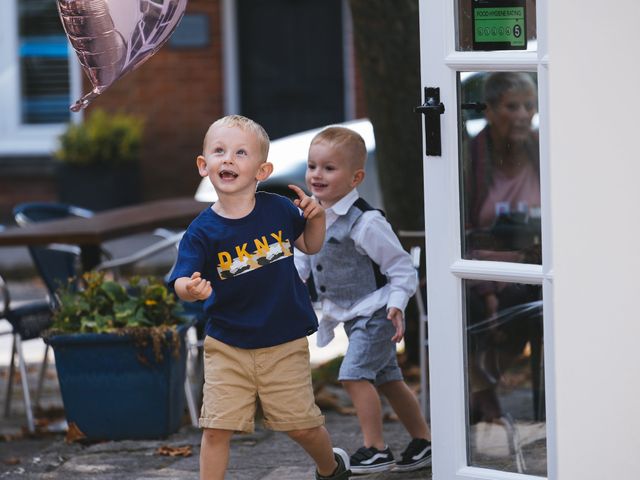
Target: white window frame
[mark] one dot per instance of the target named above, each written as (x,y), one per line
(16,138)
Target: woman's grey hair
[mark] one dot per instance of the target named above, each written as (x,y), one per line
(497,83)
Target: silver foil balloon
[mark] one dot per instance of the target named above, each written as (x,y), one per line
(113,37)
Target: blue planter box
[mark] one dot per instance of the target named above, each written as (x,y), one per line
(111,395)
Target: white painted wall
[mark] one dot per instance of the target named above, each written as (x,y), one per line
(595,196)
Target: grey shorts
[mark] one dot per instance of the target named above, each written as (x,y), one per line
(371,355)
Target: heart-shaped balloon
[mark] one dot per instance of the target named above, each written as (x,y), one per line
(114,37)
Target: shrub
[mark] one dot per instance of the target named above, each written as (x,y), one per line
(102,139)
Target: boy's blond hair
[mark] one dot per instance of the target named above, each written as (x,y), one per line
(345,138)
(246,124)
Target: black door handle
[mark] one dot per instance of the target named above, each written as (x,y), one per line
(439,109)
(477,106)
(432,108)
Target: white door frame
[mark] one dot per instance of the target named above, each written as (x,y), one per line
(440,63)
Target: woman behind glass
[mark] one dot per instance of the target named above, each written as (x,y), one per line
(502,223)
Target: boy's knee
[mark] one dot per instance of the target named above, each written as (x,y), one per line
(215,435)
(355,384)
(391,386)
(304,435)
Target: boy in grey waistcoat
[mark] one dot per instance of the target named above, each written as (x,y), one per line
(364,278)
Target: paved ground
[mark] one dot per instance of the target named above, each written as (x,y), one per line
(264,455)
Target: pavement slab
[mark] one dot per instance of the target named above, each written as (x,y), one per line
(272,456)
(262,455)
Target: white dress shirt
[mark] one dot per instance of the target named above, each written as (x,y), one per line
(373,237)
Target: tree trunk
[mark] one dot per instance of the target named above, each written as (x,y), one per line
(386,39)
(387,43)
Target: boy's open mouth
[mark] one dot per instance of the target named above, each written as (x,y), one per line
(227,175)
(318,185)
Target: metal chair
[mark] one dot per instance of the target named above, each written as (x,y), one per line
(56,263)
(28,319)
(33,212)
(422,332)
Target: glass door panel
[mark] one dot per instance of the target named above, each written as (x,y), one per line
(500,220)
(506,420)
(499,166)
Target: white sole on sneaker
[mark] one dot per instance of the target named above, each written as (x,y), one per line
(414,466)
(344,456)
(380,467)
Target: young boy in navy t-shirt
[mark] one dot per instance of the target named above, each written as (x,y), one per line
(237,257)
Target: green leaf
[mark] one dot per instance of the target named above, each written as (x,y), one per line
(104,305)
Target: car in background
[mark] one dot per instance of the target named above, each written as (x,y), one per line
(289,157)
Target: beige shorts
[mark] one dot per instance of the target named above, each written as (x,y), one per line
(279,377)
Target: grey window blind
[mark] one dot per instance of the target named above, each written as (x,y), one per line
(44,65)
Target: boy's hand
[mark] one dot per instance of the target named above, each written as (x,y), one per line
(310,208)
(395,315)
(198,287)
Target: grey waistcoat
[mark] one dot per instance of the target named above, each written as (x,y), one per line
(340,272)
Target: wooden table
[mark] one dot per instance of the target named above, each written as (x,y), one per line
(90,233)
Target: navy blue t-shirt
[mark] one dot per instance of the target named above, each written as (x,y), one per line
(258,299)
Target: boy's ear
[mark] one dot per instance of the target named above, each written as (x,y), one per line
(266,169)
(358,177)
(201,163)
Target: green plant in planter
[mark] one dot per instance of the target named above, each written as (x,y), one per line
(98,165)
(120,355)
(145,310)
(102,139)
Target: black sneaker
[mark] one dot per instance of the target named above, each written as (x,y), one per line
(415,456)
(342,472)
(368,460)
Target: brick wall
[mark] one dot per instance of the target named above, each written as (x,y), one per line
(179,93)
(24,179)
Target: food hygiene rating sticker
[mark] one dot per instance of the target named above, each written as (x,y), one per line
(499,25)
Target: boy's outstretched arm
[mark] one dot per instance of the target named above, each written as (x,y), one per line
(193,288)
(312,238)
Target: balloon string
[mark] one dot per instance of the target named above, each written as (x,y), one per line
(84,101)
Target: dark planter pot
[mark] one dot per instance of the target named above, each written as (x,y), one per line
(110,394)
(98,187)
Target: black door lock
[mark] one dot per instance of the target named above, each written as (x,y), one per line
(477,106)
(432,108)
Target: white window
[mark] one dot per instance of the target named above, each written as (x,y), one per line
(39,77)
